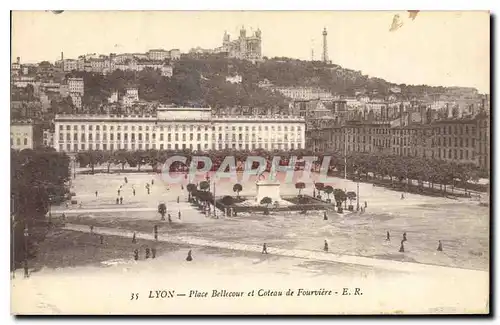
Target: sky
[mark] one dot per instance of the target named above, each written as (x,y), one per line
(436,48)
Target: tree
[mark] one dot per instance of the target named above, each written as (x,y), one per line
(328,190)
(204,186)
(162,209)
(351,196)
(319,186)
(227,200)
(340,196)
(190,188)
(237,188)
(266,200)
(300,186)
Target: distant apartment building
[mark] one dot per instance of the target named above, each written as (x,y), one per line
(158,55)
(304,93)
(76,98)
(167,71)
(70,65)
(76,86)
(131,96)
(48,138)
(25,135)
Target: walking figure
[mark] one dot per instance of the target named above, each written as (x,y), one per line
(147,252)
(63,217)
(325,248)
(388,238)
(148,190)
(325,216)
(366,204)
(404,237)
(121,199)
(179,215)
(134,240)
(402,248)
(169,218)
(182,187)
(189,258)
(156,232)
(95,193)
(101,237)
(91,229)
(133,191)
(152,182)
(177,199)
(136,254)
(402,196)
(117,200)
(264,249)
(440,247)
(153,252)
(125,179)
(118,192)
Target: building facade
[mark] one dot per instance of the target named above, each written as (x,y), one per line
(25,135)
(177,128)
(244,47)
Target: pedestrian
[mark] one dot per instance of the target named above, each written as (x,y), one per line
(366,205)
(153,252)
(440,247)
(325,248)
(152,182)
(189,258)
(182,187)
(402,196)
(177,199)
(134,240)
(388,238)
(148,190)
(118,192)
(264,249)
(125,179)
(101,237)
(95,193)
(404,237)
(147,252)
(91,229)
(136,254)
(63,217)
(169,218)
(156,232)
(121,199)
(133,191)
(402,248)
(117,200)
(179,215)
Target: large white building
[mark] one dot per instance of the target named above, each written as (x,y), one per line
(76,85)
(177,128)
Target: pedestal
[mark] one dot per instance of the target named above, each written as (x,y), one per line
(269,189)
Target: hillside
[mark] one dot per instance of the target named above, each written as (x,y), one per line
(202,81)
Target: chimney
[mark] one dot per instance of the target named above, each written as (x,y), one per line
(62,56)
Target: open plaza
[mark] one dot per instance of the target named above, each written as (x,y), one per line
(229,247)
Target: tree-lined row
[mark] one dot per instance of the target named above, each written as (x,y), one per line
(396,168)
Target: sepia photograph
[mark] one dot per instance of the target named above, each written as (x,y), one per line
(250,162)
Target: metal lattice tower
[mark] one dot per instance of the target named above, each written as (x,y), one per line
(325,46)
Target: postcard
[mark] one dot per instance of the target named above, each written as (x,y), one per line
(250,162)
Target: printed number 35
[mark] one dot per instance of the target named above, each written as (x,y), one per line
(135,296)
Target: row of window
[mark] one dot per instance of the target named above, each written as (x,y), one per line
(184,128)
(18,141)
(125,146)
(83,137)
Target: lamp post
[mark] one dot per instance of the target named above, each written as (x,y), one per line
(26,235)
(357,192)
